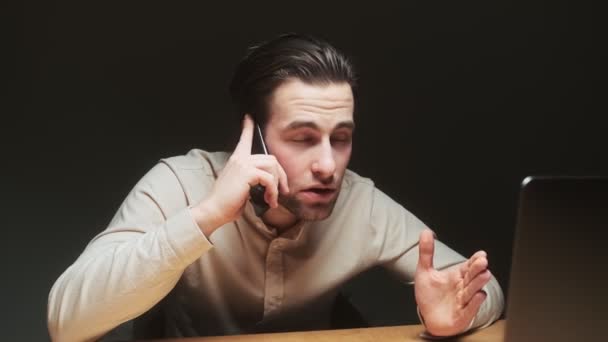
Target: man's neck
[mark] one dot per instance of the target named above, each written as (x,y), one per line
(279,218)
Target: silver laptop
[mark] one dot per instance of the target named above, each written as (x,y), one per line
(558,288)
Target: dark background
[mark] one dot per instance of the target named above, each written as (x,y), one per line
(459,101)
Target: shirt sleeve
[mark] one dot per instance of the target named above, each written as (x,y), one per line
(132,265)
(396,234)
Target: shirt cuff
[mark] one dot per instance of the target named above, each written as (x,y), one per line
(186,238)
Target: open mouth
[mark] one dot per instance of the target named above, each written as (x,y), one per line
(321,191)
(318,194)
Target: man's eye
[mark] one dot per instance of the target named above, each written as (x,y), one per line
(342,138)
(302,139)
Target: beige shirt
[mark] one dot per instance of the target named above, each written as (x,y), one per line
(245,277)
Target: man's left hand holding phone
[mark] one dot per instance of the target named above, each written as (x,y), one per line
(238,180)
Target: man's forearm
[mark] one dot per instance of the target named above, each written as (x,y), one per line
(121,274)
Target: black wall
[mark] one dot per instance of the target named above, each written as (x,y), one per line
(458,102)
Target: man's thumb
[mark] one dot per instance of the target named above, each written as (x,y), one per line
(426,248)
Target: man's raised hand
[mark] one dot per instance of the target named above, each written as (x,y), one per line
(449,299)
(230,191)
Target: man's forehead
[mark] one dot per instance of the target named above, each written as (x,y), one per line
(295,102)
(296,92)
(312,119)
(295,89)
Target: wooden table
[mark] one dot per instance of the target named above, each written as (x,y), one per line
(402,333)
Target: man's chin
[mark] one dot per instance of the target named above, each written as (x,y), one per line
(309,211)
(315,213)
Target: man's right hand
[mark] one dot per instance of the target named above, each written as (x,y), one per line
(230,191)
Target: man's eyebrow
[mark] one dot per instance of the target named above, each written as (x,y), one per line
(309,124)
(346,124)
(302,124)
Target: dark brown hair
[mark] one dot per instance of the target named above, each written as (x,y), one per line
(266,66)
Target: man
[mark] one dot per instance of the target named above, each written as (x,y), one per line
(187,233)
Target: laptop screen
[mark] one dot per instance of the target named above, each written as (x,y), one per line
(558,289)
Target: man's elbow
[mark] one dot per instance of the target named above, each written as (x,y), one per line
(59,331)
(60,328)
(62,322)
(69,332)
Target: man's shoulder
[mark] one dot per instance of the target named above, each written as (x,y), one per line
(197,159)
(354,180)
(356,190)
(360,188)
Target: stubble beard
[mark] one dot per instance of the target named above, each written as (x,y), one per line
(308,212)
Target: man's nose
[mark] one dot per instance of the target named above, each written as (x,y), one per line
(325,165)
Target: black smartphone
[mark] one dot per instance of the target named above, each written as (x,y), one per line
(257,192)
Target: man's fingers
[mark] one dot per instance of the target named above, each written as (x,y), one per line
(475,286)
(464,268)
(243,148)
(268,180)
(426,248)
(477,266)
(283,179)
(270,164)
(272,193)
(478,254)
(472,308)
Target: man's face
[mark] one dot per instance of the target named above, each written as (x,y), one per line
(310,131)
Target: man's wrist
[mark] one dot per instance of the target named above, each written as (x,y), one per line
(434,335)
(206,217)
